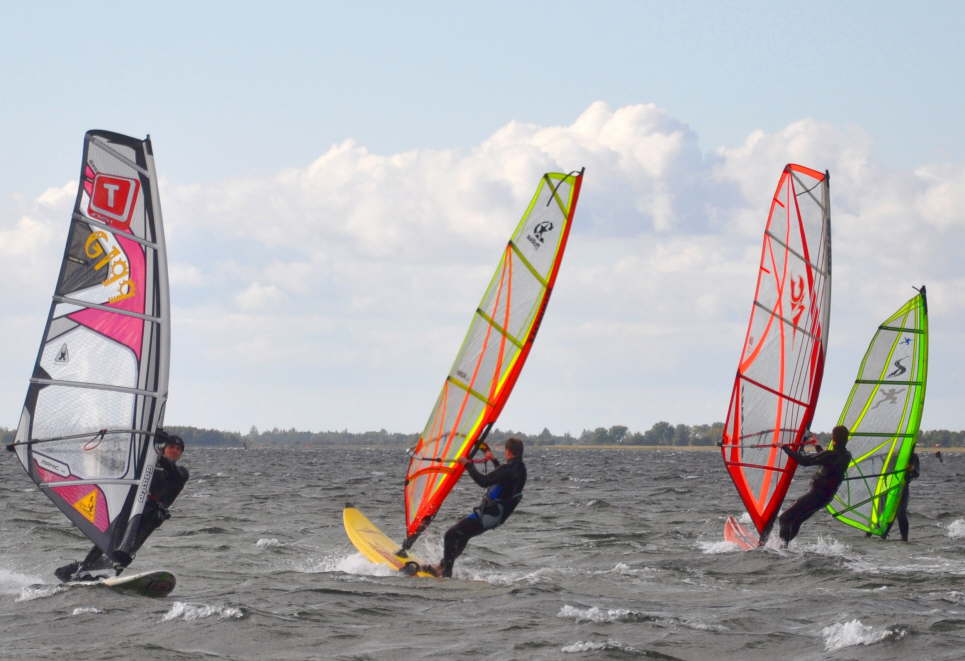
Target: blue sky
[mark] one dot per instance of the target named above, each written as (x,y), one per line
(682,113)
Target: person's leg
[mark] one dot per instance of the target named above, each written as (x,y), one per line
(800,512)
(902,515)
(75,570)
(150,521)
(456,539)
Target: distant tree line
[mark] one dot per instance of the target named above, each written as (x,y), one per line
(295,438)
(194,436)
(661,433)
(191,436)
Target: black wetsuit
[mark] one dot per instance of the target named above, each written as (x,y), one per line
(914,468)
(505,490)
(834,464)
(166,484)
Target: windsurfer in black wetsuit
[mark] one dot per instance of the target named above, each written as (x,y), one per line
(914,470)
(504,491)
(166,484)
(834,464)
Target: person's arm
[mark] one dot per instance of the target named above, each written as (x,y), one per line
(820,459)
(799,457)
(490,478)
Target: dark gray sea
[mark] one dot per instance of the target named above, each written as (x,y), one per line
(613,554)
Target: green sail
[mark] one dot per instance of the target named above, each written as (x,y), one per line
(883,413)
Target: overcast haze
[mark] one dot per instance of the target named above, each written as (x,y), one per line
(337,182)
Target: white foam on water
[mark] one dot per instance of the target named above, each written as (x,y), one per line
(591,646)
(31,592)
(775,543)
(956,528)
(182,610)
(89,610)
(719,546)
(745,519)
(853,633)
(596,614)
(827,546)
(547,574)
(357,564)
(497,577)
(623,569)
(703,626)
(12,582)
(267,542)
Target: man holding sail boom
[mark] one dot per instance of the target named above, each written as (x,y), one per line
(166,484)
(833,465)
(504,491)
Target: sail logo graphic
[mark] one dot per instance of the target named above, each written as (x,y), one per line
(888,396)
(118,269)
(536,238)
(797,301)
(87,505)
(112,200)
(52,465)
(899,368)
(63,355)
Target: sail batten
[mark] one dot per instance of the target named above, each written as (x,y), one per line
(113,230)
(494,350)
(96,386)
(100,380)
(781,363)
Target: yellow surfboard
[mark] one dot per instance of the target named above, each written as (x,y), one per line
(376,546)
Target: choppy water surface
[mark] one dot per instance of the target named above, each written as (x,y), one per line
(612,555)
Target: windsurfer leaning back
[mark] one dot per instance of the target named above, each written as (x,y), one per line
(166,483)
(504,490)
(833,465)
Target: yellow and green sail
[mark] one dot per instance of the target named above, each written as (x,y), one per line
(883,413)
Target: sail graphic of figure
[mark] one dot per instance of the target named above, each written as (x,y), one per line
(781,363)
(100,380)
(486,368)
(899,368)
